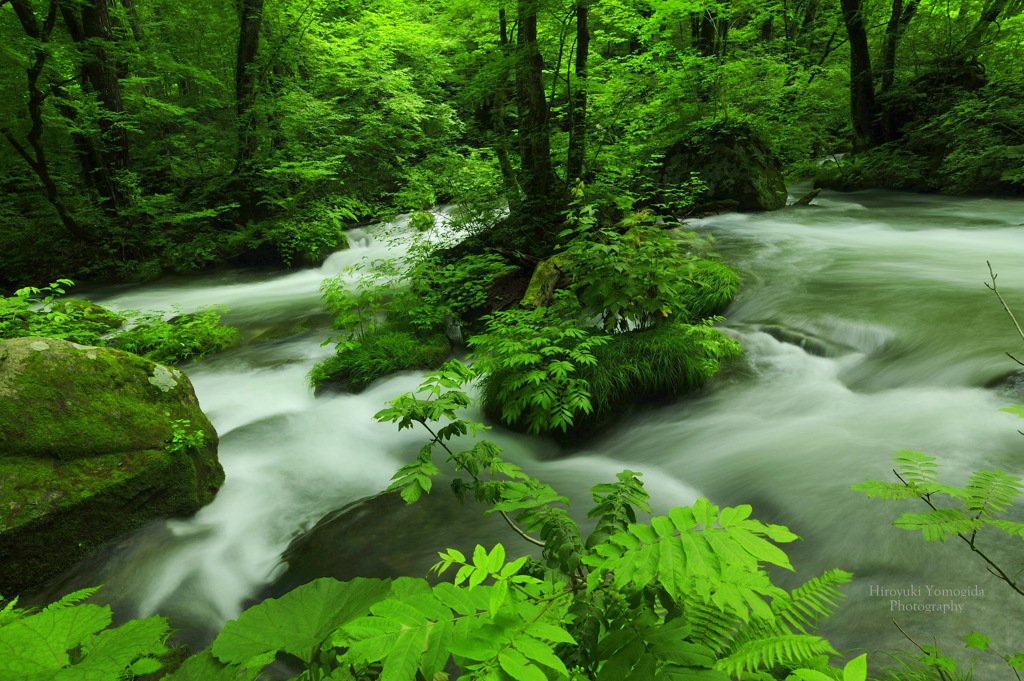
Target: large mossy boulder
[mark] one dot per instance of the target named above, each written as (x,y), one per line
(734,163)
(84,453)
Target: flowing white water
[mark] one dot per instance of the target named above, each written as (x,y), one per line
(885,291)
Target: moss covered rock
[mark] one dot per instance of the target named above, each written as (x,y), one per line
(734,163)
(92,312)
(84,455)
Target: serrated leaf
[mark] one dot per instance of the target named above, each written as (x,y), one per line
(976,641)
(40,642)
(299,622)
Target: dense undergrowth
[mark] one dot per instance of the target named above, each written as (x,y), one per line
(166,337)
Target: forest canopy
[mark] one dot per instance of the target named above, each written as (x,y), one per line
(146,136)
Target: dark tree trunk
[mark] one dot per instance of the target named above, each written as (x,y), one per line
(578,107)
(99,162)
(36,160)
(102,74)
(134,22)
(863,110)
(898,19)
(250,16)
(508,175)
(538,179)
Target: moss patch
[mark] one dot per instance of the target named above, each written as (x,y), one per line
(62,400)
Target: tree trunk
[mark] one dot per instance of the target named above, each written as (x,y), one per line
(538,178)
(250,18)
(102,74)
(37,159)
(99,162)
(578,106)
(862,88)
(898,20)
(508,176)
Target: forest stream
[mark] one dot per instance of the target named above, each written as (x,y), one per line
(866,329)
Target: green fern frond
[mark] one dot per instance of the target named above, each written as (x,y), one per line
(916,466)
(764,653)
(710,626)
(814,599)
(938,524)
(887,490)
(991,492)
(1008,526)
(71,599)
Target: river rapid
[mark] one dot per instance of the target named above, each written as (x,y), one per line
(866,329)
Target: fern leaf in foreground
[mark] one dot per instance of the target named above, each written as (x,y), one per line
(939,524)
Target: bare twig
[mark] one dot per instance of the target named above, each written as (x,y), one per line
(942,674)
(995,289)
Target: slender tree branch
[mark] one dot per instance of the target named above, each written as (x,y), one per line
(511,523)
(1006,307)
(994,569)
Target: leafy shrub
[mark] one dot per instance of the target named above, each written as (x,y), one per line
(421,221)
(308,242)
(380,352)
(637,273)
(531,361)
(35,312)
(670,359)
(182,338)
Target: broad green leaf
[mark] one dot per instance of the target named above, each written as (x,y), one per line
(299,622)
(40,642)
(976,641)
(856,669)
(518,667)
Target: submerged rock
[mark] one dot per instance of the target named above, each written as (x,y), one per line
(382,536)
(84,453)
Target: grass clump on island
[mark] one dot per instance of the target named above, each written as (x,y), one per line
(385,350)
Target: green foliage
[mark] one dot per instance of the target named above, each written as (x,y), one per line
(681,594)
(532,360)
(971,513)
(668,360)
(979,504)
(35,312)
(72,641)
(632,279)
(182,338)
(380,352)
(184,438)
